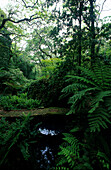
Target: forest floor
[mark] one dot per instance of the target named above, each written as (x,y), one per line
(33,112)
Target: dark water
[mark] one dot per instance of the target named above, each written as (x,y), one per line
(45,151)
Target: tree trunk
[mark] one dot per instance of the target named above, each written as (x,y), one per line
(80,36)
(92,31)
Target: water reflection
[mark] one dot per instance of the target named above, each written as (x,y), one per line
(45,157)
(48,132)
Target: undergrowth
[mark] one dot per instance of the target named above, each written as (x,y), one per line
(18,136)
(18,102)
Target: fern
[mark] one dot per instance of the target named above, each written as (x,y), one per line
(99,98)
(69,150)
(70,154)
(91,103)
(11,135)
(79,95)
(81,79)
(103,159)
(100,75)
(91,91)
(95,123)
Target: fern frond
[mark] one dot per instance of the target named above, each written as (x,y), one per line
(71,111)
(72,141)
(81,79)
(68,155)
(72,87)
(103,159)
(100,75)
(98,120)
(94,107)
(109,109)
(69,151)
(69,89)
(91,95)
(89,74)
(76,129)
(80,94)
(103,74)
(99,98)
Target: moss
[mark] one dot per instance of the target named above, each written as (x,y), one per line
(35,112)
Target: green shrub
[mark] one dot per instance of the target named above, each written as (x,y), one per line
(49,89)
(46,90)
(18,102)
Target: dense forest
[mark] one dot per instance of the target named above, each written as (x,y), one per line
(56,54)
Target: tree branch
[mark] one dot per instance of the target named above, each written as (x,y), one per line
(44,52)
(16,22)
(107,10)
(28,6)
(40,46)
(102,6)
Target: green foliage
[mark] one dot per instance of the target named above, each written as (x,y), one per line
(5,51)
(70,150)
(49,66)
(91,151)
(11,80)
(103,159)
(37,89)
(70,153)
(2,15)
(49,89)
(18,102)
(90,91)
(23,62)
(17,134)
